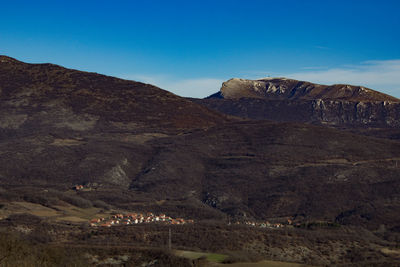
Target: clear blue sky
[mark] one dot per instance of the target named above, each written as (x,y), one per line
(190,47)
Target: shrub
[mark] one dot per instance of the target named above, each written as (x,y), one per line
(241,256)
(18,252)
(77,201)
(101,204)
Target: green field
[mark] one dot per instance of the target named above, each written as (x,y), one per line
(212,257)
(263,264)
(217,259)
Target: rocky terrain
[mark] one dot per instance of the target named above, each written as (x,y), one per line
(283,99)
(283,88)
(137,148)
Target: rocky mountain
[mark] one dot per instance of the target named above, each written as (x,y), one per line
(135,146)
(283,99)
(283,89)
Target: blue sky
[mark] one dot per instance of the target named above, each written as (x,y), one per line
(190,47)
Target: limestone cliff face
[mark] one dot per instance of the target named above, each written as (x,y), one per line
(283,99)
(378,114)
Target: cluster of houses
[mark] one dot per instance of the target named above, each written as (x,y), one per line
(136,218)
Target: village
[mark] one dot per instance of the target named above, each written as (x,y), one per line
(136,218)
(149,217)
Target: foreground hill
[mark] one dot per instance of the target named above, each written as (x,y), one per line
(283,99)
(52,98)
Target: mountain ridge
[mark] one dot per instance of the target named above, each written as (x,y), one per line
(287,100)
(284,88)
(61,89)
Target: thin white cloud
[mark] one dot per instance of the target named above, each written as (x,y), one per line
(381,75)
(314,68)
(197,87)
(321,47)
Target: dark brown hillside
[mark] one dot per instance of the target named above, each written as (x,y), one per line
(136,148)
(60,127)
(134,142)
(55,96)
(263,170)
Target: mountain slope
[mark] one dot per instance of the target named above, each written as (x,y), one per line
(268,170)
(60,126)
(281,99)
(138,147)
(47,94)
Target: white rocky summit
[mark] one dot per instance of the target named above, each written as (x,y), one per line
(284,88)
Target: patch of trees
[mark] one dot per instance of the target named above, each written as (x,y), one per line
(15,251)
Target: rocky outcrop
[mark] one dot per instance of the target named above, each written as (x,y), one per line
(375,114)
(282,88)
(283,99)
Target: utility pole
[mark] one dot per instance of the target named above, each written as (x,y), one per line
(169,239)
